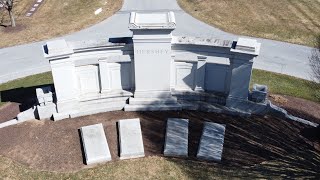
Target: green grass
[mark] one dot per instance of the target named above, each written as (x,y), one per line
(34,80)
(285,85)
(277,84)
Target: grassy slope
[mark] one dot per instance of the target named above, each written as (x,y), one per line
(285,85)
(53,18)
(148,168)
(295,21)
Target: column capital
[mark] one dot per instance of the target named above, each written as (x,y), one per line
(246,46)
(57,49)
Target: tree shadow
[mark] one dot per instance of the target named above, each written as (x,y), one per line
(253,147)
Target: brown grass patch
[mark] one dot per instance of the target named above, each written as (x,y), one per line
(53,18)
(295,21)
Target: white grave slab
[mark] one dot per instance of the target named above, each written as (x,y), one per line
(211,142)
(130,139)
(176,142)
(95,144)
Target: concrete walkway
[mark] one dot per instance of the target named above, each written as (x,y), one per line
(24,60)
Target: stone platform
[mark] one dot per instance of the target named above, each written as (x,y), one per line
(130,139)
(95,144)
(153,104)
(211,143)
(176,141)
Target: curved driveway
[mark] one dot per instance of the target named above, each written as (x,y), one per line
(24,60)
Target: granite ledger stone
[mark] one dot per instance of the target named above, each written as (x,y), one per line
(176,142)
(211,142)
(130,137)
(95,144)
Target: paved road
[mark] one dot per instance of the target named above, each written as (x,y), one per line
(20,61)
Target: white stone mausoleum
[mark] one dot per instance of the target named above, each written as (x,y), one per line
(152,70)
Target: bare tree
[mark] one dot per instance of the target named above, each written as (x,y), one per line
(8,5)
(314,60)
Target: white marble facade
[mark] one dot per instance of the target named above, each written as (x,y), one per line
(149,69)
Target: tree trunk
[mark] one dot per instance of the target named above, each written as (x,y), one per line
(13,23)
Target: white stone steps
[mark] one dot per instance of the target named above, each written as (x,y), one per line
(98,108)
(152,101)
(95,144)
(163,107)
(130,139)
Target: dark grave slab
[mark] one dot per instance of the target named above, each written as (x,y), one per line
(211,142)
(176,140)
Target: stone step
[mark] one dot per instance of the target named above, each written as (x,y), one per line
(130,139)
(176,141)
(189,105)
(211,142)
(163,107)
(199,96)
(152,101)
(95,144)
(105,100)
(87,109)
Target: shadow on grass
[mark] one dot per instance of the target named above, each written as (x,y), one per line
(25,96)
(254,147)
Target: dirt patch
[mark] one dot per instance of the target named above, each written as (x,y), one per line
(10,29)
(9,111)
(299,107)
(55,146)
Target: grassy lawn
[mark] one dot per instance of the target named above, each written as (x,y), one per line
(286,85)
(295,21)
(156,168)
(53,18)
(34,80)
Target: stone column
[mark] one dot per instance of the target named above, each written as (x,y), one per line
(152,53)
(201,72)
(104,75)
(241,63)
(64,77)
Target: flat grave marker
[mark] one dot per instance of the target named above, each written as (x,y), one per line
(95,144)
(130,139)
(211,142)
(176,140)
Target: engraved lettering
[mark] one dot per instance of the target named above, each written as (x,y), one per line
(152,51)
